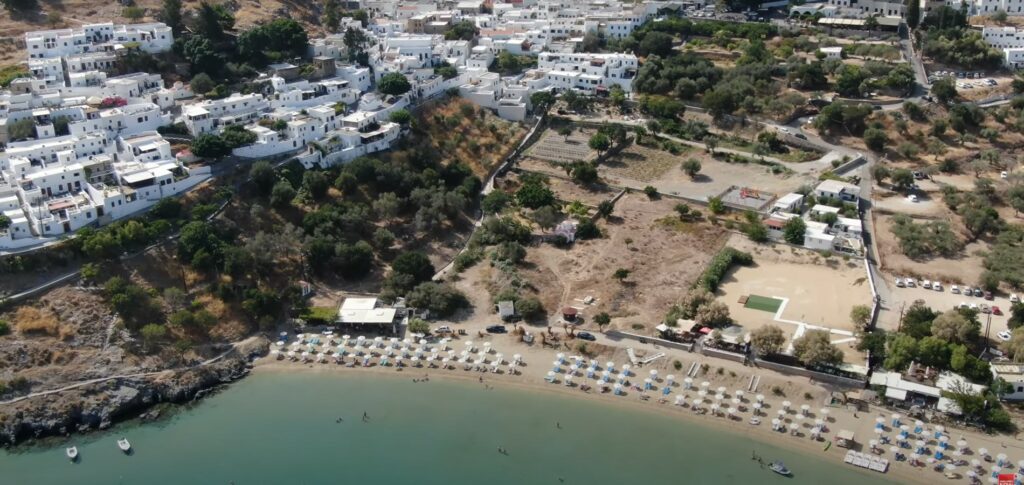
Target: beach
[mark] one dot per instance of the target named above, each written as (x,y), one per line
(732,376)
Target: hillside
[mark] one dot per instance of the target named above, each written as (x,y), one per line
(78,12)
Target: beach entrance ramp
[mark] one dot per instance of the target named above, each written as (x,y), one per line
(764,303)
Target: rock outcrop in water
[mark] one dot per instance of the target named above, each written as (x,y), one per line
(98,406)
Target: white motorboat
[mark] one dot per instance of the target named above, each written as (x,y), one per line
(780,468)
(124,445)
(72,453)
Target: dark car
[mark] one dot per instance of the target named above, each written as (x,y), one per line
(978,292)
(496,329)
(586,336)
(989,296)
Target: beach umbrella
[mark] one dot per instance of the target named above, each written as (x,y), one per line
(731,411)
(394,342)
(786,404)
(291,354)
(736,401)
(824,413)
(805,409)
(894,450)
(666,390)
(719,397)
(781,413)
(995,470)
(1020,467)
(1001,459)
(618,389)
(949,467)
(939,430)
(970,473)
(873,444)
(568,380)
(895,419)
(280,343)
(283,334)
(983,452)
(517,358)
(300,336)
(469,345)
(961,444)
(560,356)
(697,402)
(647,383)
(610,366)
(487,347)
(721,389)
(551,376)
(669,380)
(705,385)
(714,408)
(914,457)
(499,358)
(775,423)
(759,398)
(687,383)
(654,374)
(573,369)
(680,399)
(593,364)
(625,369)
(918,427)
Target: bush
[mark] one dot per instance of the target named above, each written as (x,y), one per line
(719,265)
(442,300)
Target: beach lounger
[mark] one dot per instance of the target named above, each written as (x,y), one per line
(632,355)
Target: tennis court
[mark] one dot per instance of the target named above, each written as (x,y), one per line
(764,303)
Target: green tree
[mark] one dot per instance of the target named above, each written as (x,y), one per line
(463,30)
(20,5)
(815,348)
(860,316)
(944,90)
(715,205)
(880,172)
(793,231)
(599,142)
(201,83)
(691,166)
(602,319)
(212,20)
(534,194)
(151,334)
(331,17)
(754,227)
(134,14)
(621,274)
(414,264)
(263,176)
(400,116)
(494,202)
(315,183)
(442,300)
(875,139)
(282,194)
(767,339)
(418,325)
(394,84)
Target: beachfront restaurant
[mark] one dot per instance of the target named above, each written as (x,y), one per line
(368,314)
(922,388)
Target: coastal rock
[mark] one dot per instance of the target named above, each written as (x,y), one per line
(98,406)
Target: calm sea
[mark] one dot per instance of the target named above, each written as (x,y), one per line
(282,428)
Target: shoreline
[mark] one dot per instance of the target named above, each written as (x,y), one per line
(898,472)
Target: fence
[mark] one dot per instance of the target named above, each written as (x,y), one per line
(617,335)
(723,354)
(818,376)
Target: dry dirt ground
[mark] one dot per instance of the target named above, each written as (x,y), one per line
(819,292)
(639,166)
(965,268)
(554,147)
(663,259)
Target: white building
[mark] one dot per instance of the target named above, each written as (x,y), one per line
(837,190)
(1013,374)
(152,37)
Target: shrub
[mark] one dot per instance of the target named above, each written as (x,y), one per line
(719,265)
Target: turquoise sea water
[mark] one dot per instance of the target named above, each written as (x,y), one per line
(281,428)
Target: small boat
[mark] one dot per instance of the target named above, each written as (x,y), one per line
(72,453)
(780,468)
(124,445)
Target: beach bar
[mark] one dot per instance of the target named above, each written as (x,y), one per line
(362,312)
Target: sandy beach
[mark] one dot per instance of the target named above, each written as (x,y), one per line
(732,376)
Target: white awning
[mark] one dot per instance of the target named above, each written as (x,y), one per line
(894,393)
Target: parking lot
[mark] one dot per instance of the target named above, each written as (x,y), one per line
(945,300)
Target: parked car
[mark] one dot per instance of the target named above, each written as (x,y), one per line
(983,308)
(497,329)
(937,286)
(444,329)
(912,198)
(978,292)
(1013,298)
(954,289)
(973,306)
(1005,335)
(996,310)
(989,295)
(1003,175)
(911,283)
(804,137)
(926,284)
(900,283)
(586,336)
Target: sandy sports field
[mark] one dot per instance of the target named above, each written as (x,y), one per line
(815,293)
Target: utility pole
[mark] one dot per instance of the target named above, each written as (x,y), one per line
(988,325)
(899,325)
